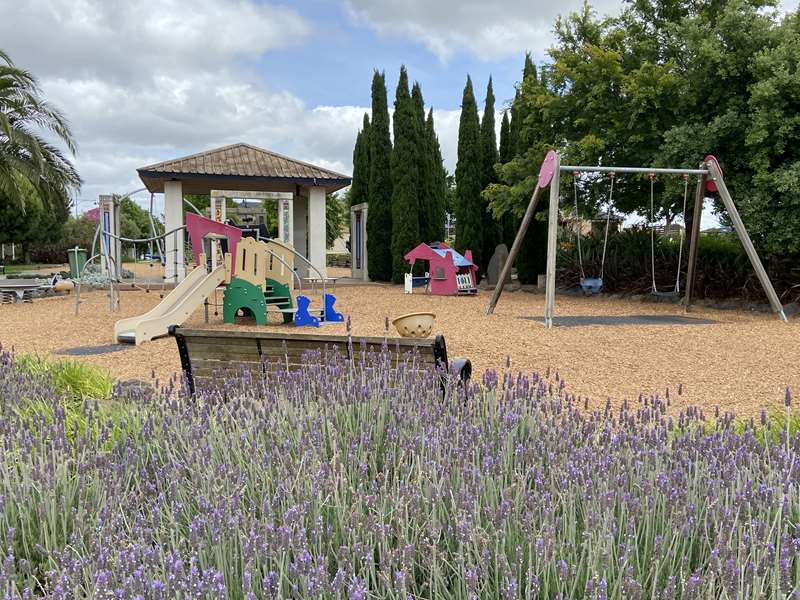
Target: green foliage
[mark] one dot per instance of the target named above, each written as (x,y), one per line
(723,270)
(426,174)
(30,164)
(337,213)
(469,205)
(79,232)
(662,83)
(489,157)
(359,190)
(379,223)
(405,178)
(439,189)
(75,380)
(772,208)
(134,220)
(509,197)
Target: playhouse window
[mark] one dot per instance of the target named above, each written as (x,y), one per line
(439,273)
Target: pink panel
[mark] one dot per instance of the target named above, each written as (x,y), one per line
(711,186)
(421,252)
(547,169)
(199,227)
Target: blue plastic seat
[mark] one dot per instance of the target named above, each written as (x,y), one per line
(591,285)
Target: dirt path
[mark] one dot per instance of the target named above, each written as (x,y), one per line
(741,361)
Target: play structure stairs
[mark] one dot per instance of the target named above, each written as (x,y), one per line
(174,309)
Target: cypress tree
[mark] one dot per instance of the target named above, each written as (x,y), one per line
(505,154)
(508,223)
(439,190)
(405,178)
(379,221)
(489,157)
(528,78)
(359,191)
(532,254)
(513,127)
(469,206)
(425,166)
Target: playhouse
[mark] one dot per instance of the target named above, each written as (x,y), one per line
(449,273)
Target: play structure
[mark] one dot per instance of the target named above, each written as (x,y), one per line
(710,180)
(449,273)
(262,282)
(258,277)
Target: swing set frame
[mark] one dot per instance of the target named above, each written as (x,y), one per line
(710,180)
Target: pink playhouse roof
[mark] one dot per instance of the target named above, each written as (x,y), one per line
(93,214)
(426,252)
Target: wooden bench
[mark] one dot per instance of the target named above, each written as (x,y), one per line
(207,352)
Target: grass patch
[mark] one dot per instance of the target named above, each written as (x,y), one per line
(77,380)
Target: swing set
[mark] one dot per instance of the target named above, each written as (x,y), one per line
(710,179)
(594,285)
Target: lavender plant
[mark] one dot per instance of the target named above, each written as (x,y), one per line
(361,480)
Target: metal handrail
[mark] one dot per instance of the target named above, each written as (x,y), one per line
(288,266)
(310,264)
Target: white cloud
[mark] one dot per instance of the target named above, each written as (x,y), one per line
(487,30)
(128,40)
(484,29)
(153,79)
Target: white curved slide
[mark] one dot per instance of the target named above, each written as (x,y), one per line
(174,309)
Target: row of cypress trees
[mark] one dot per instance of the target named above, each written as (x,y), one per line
(476,171)
(404,182)
(402,177)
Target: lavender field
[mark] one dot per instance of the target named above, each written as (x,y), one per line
(358,481)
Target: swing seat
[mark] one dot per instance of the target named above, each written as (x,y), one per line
(658,294)
(591,285)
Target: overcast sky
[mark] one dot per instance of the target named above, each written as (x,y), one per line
(146,80)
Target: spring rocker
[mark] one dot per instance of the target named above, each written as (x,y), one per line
(328,314)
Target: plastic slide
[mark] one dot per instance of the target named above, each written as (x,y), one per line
(174,309)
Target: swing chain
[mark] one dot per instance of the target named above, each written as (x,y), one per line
(611,175)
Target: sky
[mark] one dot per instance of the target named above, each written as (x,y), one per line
(147,80)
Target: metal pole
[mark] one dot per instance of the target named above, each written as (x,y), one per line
(552,238)
(738,225)
(512,255)
(694,240)
(646,170)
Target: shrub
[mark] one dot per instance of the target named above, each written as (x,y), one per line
(357,480)
(76,380)
(723,269)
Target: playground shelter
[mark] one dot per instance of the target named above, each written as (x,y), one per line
(243,171)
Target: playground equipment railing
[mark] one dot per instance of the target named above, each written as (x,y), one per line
(322,278)
(114,273)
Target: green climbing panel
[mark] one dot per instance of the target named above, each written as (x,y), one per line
(281,296)
(243,295)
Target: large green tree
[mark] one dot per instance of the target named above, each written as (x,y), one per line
(405,178)
(528,138)
(29,162)
(438,200)
(772,208)
(469,205)
(425,167)
(359,190)
(379,223)
(489,158)
(508,222)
